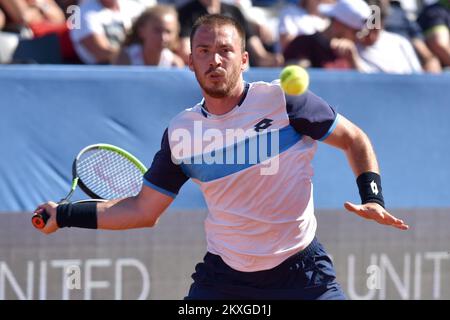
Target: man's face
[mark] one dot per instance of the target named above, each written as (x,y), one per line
(217,59)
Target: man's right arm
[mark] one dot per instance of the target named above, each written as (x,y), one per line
(161,184)
(140,211)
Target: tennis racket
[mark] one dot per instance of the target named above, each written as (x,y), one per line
(103,172)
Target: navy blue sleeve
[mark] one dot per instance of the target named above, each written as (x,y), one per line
(310,115)
(164,175)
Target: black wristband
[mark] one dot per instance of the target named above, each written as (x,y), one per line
(81,215)
(369,185)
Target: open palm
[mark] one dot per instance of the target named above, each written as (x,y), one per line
(374,211)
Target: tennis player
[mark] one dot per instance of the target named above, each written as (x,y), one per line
(261,228)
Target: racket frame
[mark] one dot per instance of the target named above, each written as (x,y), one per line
(102,146)
(39,220)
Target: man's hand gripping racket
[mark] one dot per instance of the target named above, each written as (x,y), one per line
(104,172)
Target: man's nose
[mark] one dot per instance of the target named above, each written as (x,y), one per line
(216,59)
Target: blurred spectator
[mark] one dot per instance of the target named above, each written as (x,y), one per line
(397,21)
(334,47)
(176,3)
(151,37)
(435,23)
(103,28)
(2,19)
(64,4)
(189,13)
(8,44)
(302,18)
(410,7)
(145,4)
(383,51)
(22,14)
(263,20)
(265,3)
(38,18)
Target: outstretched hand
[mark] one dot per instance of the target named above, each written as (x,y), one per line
(373,211)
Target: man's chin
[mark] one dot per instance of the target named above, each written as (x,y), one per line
(217,92)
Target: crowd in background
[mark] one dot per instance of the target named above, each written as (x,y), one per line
(411,36)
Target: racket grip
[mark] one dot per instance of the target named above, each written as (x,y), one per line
(40,219)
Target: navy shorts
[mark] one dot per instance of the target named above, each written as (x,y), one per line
(307,275)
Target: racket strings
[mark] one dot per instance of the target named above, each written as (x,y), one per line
(109,174)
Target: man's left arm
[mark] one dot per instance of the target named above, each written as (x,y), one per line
(312,116)
(362,159)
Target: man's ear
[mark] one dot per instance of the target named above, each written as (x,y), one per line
(190,62)
(244,61)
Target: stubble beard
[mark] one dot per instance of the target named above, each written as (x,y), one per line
(223,90)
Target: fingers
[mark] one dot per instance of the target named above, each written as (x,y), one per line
(388,219)
(47,205)
(50,209)
(356,208)
(39,210)
(352,207)
(376,212)
(395,222)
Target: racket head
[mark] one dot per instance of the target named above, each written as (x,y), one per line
(105,171)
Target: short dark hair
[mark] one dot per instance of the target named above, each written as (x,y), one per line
(218,20)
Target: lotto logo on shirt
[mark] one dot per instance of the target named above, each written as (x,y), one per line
(234,147)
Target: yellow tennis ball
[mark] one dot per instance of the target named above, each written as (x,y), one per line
(294,80)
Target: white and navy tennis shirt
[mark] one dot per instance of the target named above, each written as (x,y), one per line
(253,165)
